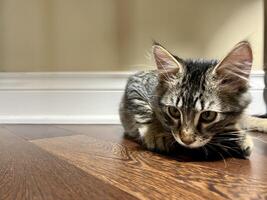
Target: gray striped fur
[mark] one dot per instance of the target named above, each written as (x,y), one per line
(192,87)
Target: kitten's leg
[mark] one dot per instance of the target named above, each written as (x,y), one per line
(253,123)
(135,113)
(241,147)
(246,145)
(155,140)
(236,143)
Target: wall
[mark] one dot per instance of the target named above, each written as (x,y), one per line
(189,28)
(100,35)
(58,35)
(247,22)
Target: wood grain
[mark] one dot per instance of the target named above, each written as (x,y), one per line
(28,172)
(252,168)
(31,132)
(96,162)
(148,175)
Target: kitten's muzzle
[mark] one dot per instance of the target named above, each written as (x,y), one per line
(187,138)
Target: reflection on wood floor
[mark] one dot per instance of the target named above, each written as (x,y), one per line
(96,162)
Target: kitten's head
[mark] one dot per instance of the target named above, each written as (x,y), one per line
(198,99)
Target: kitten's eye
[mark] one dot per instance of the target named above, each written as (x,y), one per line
(174,112)
(208,116)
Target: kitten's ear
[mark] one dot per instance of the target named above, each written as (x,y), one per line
(234,70)
(165,61)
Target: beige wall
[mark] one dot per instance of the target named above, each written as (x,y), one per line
(58,35)
(93,35)
(190,28)
(246,23)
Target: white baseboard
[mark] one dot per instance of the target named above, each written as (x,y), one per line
(77,98)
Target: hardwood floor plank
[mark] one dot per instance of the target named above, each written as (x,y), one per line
(148,175)
(100,131)
(28,172)
(31,132)
(251,168)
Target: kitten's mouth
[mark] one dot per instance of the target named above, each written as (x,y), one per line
(191,144)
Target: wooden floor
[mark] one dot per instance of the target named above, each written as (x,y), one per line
(54,162)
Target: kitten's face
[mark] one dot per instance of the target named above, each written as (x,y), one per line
(201,99)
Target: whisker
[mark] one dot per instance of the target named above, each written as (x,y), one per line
(225,163)
(226,147)
(259,139)
(227,139)
(237,131)
(205,151)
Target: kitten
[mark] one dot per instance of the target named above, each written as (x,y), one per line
(192,103)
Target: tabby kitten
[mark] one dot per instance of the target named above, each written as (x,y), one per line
(195,104)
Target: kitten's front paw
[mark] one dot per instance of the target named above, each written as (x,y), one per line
(156,143)
(154,140)
(246,146)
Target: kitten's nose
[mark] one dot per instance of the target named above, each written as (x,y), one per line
(187,138)
(187,141)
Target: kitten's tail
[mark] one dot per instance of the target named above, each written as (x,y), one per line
(255,123)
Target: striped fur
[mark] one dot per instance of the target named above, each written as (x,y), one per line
(192,88)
